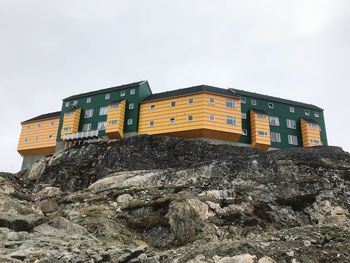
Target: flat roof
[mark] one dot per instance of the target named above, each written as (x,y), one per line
(50,115)
(190,90)
(111,89)
(275,99)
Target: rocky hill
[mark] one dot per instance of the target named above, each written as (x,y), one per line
(158,199)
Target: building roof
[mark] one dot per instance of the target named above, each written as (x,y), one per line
(111,89)
(187,91)
(274,99)
(50,115)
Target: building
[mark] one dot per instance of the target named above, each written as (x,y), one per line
(38,137)
(209,113)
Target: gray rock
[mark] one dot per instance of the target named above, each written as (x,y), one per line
(20,222)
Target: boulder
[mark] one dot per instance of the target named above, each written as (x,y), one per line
(124,199)
(244,258)
(37,169)
(48,192)
(69,227)
(48,206)
(266,260)
(20,222)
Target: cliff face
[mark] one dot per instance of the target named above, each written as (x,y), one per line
(159,199)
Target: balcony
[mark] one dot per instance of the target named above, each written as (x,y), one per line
(85,135)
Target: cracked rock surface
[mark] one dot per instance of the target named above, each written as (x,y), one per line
(160,199)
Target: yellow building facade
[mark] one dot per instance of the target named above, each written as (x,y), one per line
(260,129)
(310,133)
(194,115)
(38,135)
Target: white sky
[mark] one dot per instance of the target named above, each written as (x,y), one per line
(295,49)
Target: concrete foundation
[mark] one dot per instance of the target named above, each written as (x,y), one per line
(28,161)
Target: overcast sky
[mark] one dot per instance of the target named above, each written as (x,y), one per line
(295,49)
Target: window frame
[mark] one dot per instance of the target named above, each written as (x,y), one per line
(86,111)
(190,118)
(129,122)
(88,125)
(290,141)
(253,102)
(98,125)
(190,101)
(262,133)
(270,105)
(288,126)
(244,132)
(122,93)
(132,91)
(66,104)
(230,101)
(173,104)
(274,118)
(131,106)
(243,100)
(307,112)
(103,111)
(212,100)
(317,114)
(278,137)
(234,120)
(88,100)
(107,96)
(172,120)
(151,123)
(152,107)
(244,115)
(291,109)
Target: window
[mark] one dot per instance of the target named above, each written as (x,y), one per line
(231,120)
(190,118)
(270,105)
(292,139)
(151,123)
(107,96)
(88,100)
(211,100)
(307,112)
(129,121)
(243,100)
(212,117)
(52,124)
(244,132)
(173,103)
(253,102)
(103,111)
(315,141)
(111,122)
(274,121)
(262,133)
(115,105)
(25,140)
(172,120)
(101,126)
(313,125)
(66,128)
(50,136)
(152,107)
(230,104)
(69,114)
(244,115)
(291,109)
(131,106)
(317,115)
(261,116)
(86,127)
(88,113)
(275,137)
(75,103)
(122,93)
(66,104)
(132,91)
(291,124)
(190,101)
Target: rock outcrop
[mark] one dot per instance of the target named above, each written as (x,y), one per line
(159,199)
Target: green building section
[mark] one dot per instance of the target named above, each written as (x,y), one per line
(133,93)
(281,109)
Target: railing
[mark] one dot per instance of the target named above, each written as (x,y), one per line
(81,135)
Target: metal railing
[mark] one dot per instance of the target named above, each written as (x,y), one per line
(81,135)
